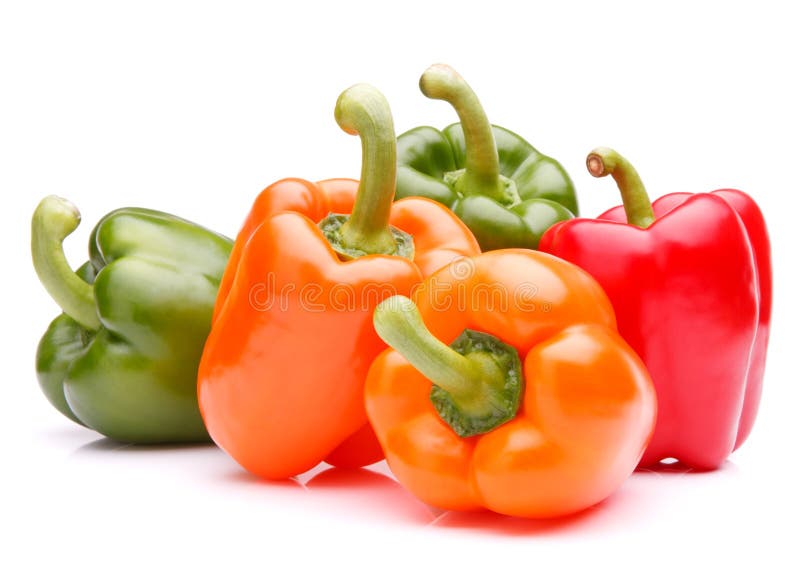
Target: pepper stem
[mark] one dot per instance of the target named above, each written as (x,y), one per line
(53,220)
(475,390)
(482,171)
(604,161)
(362,110)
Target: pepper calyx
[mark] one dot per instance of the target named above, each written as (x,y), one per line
(508,195)
(477,380)
(331,227)
(484,350)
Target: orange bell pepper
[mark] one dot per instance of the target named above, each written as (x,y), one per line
(538,408)
(281,378)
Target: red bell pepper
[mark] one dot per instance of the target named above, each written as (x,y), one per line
(690,280)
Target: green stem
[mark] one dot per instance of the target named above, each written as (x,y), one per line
(53,220)
(482,173)
(477,390)
(364,111)
(604,161)
(398,322)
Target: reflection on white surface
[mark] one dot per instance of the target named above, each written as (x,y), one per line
(195,501)
(362,496)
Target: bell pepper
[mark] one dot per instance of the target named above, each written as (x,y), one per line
(507,387)
(505,191)
(690,279)
(282,374)
(122,358)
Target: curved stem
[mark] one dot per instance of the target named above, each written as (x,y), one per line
(53,220)
(398,322)
(482,174)
(364,111)
(470,382)
(604,161)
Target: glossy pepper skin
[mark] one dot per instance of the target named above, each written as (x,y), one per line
(122,359)
(506,191)
(690,281)
(282,375)
(586,408)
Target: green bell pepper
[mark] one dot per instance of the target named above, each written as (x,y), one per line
(504,190)
(122,359)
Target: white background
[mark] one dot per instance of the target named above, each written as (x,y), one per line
(194,108)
